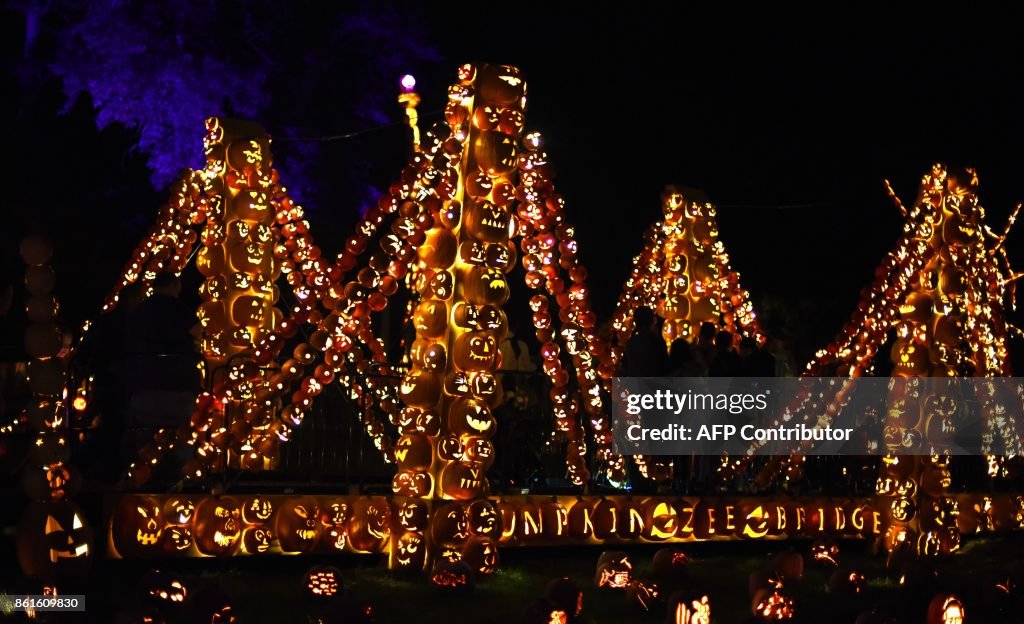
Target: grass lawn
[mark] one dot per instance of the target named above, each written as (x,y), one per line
(268,590)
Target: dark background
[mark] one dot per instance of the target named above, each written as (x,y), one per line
(790,124)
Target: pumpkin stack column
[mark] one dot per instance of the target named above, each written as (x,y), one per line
(459,322)
(53,538)
(240,267)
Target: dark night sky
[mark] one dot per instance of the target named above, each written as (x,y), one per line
(790,127)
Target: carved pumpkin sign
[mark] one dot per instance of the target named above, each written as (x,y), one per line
(54,539)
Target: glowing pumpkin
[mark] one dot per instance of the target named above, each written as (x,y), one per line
(54,539)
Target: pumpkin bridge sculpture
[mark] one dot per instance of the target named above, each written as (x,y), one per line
(475,199)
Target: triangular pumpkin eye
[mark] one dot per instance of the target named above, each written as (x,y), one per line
(77,522)
(52,525)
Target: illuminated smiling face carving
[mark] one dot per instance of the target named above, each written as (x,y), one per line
(471,417)
(475,351)
(298,525)
(909,357)
(488,222)
(137,525)
(53,538)
(217,526)
(500,85)
(485,386)
(411,483)
(674,304)
(177,539)
(411,551)
(179,511)
(333,521)
(903,509)
(440,286)
(450,448)
(917,307)
(250,257)
(257,510)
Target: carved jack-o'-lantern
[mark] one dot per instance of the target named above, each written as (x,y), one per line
(137,525)
(495,152)
(471,417)
(163,587)
(685,608)
(176,539)
(323,581)
(179,511)
(946,609)
(825,552)
(410,552)
(369,524)
(487,222)
(463,481)
(420,389)
(614,570)
(909,358)
(54,539)
(500,85)
(431,318)
(475,351)
(297,524)
(217,527)
(483,517)
(669,565)
(412,483)
(412,515)
(917,307)
(451,576)
(413,451)
(772,606)
(481,554)
(257,540)
(257,510)
(483,285)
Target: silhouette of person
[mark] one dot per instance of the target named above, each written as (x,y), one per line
(645,354)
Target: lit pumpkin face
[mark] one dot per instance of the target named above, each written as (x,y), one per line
(946,609)
(483,285)
(481,554)
(485,387)
(431,318)
(163,587)
(450,524)
(333,522)
(440,286)
(413,452)
(480,451)
(956,230)
(137,525)
(411,483)
(463,481)
(420,389)
(500,85)
(412,516)
(902,412)
(675,305)
(253,205)
(257,540)
(917,307)
(250,257)
(488,222)
(176,539)
(257,510)
(471,417)
(451,576)
(910,358)
(323,581)
(449,448)
(475,351)
(495,153)
(179,511)
(54,539)
(825,552)
(903,509)
(684,609)
(217,526)
(484,519)
(250,310)
(369,524)
(297,525)
(410,552)
(614,571)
